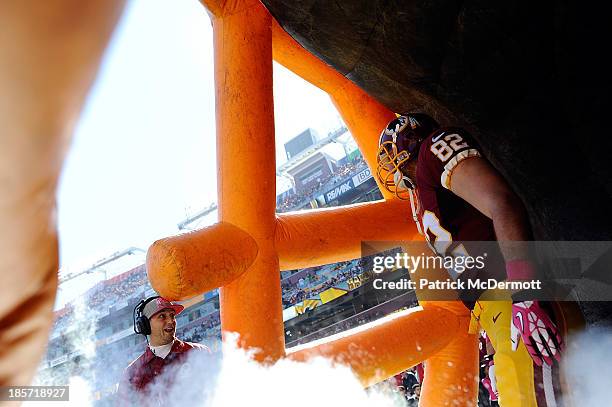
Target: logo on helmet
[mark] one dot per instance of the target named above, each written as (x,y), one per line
(395,127)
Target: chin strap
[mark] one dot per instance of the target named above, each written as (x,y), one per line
(405,184)
(415,206)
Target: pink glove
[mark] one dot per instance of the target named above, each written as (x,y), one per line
(539,334)
(486,382)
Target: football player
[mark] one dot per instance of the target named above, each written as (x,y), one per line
(457,197)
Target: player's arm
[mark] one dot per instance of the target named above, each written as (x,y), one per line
(478,183)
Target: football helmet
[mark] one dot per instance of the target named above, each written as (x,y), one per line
(399,145)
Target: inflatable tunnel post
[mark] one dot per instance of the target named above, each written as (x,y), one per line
(245,38)
(251,304)
(181,267)
(383,349)
(390,345)
(329,235)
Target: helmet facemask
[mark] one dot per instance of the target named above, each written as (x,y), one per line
(392,170)
(398,149)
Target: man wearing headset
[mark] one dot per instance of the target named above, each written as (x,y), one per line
(155,318)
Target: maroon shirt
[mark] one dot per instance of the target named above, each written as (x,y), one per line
(451,225)
(141,372)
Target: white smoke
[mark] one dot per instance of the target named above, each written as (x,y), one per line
(235,379)
(227,378)
(587,367)
(79,393)
(232,378)
(78,371)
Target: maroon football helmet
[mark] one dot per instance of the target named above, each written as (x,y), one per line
(399,145)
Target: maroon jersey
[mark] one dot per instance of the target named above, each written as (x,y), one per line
(451,225)
(454,227)
(134,386)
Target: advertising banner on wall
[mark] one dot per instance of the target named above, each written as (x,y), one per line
(346,185)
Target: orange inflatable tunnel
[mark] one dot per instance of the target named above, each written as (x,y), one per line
(246,40)
(44,76)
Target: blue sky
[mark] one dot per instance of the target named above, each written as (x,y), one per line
(143,154)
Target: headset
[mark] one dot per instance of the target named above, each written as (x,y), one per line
(142,325)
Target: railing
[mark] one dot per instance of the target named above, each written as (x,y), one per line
(323,188)
(385,307)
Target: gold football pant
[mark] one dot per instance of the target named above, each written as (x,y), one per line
(513,369)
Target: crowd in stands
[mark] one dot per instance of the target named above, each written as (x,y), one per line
(288,273)
(349,324)
(104,294)
(58,347)
(209,327)
(357,164)
(295,201)
(109,292)
(317,280)
(62,319)
(312,333)
(407,384)
(308,333)
(291,202)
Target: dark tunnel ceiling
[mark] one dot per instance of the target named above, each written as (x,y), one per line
(526,78)
(517,74)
